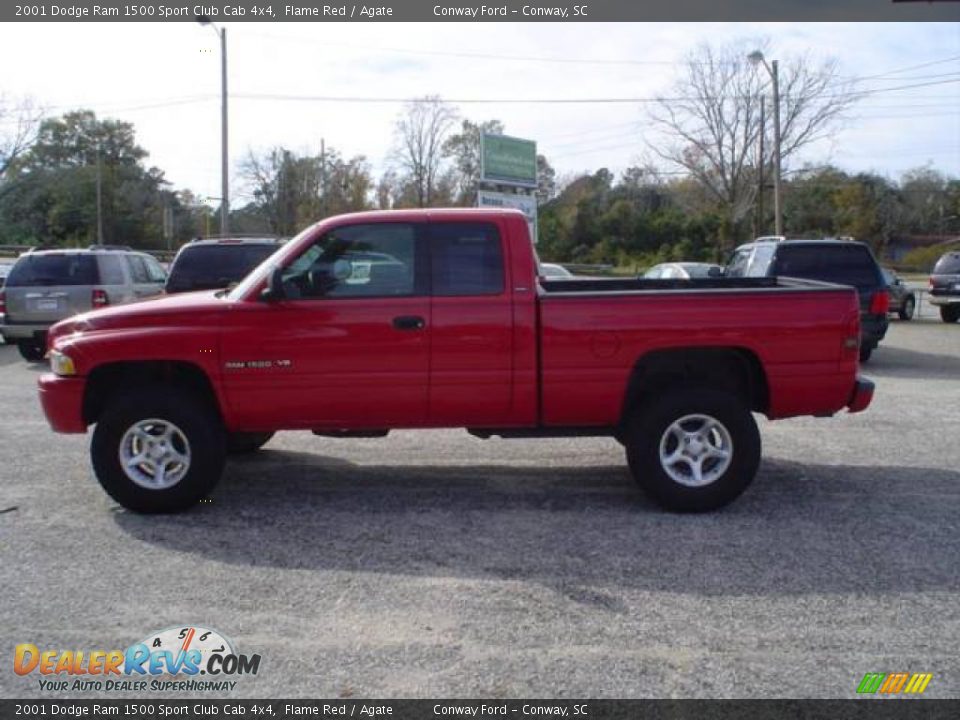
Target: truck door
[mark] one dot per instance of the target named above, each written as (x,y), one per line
(471,356)
(347,346)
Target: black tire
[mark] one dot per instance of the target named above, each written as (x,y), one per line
(200,426)
(907,308)
(649,428)
(865,352)
(32,350)
(950,313)
(246,442)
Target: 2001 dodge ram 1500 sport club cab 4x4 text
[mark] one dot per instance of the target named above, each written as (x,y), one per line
(437,318)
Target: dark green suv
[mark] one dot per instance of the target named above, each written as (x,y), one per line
(845,262)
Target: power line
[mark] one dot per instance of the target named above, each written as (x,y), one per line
(553,101)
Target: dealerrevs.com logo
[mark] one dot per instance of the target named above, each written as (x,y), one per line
(186,658)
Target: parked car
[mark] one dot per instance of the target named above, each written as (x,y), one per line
(846,262)
(683,271)
(903,301)
(945,286)
(552,271)
(465,336)
(45,286)
(217,263)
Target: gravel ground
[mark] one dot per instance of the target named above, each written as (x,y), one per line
(436,564)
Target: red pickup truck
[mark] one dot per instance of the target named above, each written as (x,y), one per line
(437,318)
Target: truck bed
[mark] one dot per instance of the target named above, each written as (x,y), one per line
(639,284)
(593,331)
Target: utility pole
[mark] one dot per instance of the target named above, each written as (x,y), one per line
(323,176)
(224,164)
(224,178)
(99,201)
(761,164)
(756,58)
(777,199)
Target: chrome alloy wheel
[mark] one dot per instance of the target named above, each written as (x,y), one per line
(696,450)
(155,454)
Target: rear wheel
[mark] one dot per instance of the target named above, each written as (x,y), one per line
(950,313)
(158,450)
(907,309)
(693,449)
(865,352)
(32,350)
(239,443)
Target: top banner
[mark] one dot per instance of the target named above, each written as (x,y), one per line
(466,11)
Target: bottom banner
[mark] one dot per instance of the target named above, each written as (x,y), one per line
(417,709)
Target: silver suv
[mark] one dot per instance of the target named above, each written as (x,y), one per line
(45,286)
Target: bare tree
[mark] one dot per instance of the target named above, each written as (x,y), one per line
(712,118)
(22,120)
(420,133)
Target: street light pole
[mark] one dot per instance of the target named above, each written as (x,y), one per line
(777,201)
(224,154)
(756,57)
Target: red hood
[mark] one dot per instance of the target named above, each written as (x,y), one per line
(144,313)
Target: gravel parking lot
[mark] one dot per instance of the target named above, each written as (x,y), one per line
(436,564)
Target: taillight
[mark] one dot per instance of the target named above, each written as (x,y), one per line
(880,303)
(3,302)
(99,299)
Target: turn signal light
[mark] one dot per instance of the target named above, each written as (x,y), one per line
(880,303)
(99,299)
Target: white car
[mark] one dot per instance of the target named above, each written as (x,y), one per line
(552,271)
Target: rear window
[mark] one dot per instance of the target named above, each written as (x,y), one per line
(215,266)
(948,265)
(840,263)
(55,269)
(466,259)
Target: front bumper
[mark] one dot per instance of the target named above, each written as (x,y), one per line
(62,402)
(861,396)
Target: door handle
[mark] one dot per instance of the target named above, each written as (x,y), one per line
(409,322)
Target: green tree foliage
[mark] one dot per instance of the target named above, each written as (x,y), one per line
(49,191)
(291,191)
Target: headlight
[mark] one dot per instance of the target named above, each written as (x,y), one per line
(61,364)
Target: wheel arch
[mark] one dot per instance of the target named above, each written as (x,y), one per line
(106,381)
(736,369)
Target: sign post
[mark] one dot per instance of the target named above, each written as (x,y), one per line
(508,170)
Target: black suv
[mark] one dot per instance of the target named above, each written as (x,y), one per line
(844,262)
(218,263)
(945,286)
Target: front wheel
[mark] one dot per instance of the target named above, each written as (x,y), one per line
(950,313)
(158,450)
(32,350)
(907,309)
(693,449)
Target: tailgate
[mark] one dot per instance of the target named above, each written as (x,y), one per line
(43,305)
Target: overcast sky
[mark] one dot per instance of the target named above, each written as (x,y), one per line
(164,78)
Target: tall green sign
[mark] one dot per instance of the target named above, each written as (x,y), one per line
(508,160)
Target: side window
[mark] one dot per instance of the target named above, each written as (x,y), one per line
(154,269)
(111,270)
(376,260)
(466,259)
(760,262)
(138,269)
(737,267)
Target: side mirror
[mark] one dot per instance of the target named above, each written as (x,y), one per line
(274,288)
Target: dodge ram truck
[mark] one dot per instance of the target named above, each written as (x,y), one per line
(371,322)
